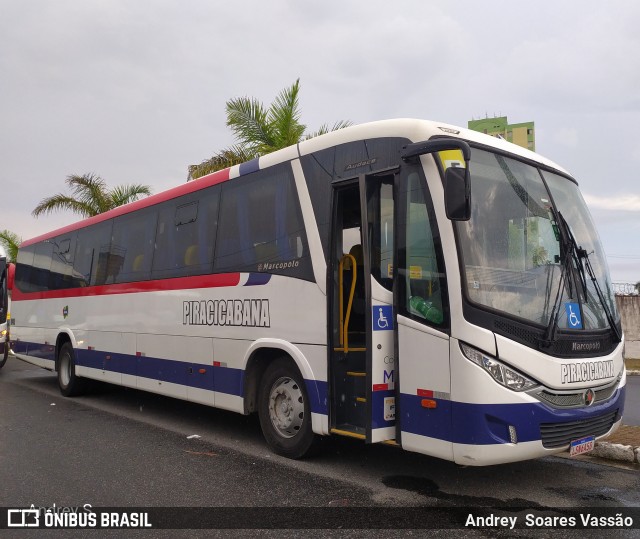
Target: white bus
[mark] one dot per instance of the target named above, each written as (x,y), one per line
(403,281)
(5,320)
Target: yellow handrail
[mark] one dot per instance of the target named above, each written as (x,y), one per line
(344,320)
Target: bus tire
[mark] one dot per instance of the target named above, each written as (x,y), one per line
(284,411)
(70,384)
(5,354)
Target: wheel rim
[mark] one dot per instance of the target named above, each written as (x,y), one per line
(65,369)
(286,407)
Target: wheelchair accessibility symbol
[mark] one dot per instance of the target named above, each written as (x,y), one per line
(382,316)
(574,319)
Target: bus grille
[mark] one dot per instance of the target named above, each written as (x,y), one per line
(556,435)
(575,399)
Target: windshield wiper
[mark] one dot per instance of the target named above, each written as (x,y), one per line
(565,270)
(605,305)
(582,261)
(577,253)
(582,255)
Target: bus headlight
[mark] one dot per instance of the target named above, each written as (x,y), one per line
(502,374)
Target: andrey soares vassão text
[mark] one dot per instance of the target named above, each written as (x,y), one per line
(530,520)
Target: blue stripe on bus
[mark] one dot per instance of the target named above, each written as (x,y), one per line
(225,380)
(257,279)
(39,350)
(220,379)
(249,166)
(318,397)
(483,424)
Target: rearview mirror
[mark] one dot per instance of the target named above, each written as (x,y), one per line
(457,194)
(457,186)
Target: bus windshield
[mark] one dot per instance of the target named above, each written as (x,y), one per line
(512,246)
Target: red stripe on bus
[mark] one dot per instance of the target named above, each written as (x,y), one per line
(178,283)
(189,187)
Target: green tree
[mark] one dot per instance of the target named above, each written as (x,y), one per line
(260,130)
(10,241)
(637,286)
(90,196)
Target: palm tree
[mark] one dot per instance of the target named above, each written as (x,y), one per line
(90,196)
(259,130)
(10,241)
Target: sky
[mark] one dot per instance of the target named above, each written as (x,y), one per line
(135,90)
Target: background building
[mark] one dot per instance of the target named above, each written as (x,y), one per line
(522,134)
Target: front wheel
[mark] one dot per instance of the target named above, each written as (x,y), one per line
(4,353)
(283,407)
(70,384)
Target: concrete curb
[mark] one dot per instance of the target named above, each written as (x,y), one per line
(619,452)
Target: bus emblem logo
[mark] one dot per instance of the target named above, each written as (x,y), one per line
(589,397)
(65,311)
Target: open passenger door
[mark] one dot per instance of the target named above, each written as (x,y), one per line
(363,336)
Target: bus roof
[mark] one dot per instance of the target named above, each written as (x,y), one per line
(412,129)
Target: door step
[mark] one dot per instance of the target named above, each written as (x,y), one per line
(350,431)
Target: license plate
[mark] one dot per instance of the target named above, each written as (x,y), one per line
(582,446)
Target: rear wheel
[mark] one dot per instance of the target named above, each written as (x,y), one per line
(283,407)
(70,384)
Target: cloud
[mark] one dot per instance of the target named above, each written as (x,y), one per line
(566,136)
(630,203)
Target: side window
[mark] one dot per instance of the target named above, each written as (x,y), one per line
(132,243)
(47,265)
(90,264)
(380,215)
(3,291)
(62,275)
(24,268)
(40,278)
(261,227)
(422,279)
(185,236)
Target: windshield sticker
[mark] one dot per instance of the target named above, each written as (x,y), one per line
(451,158)
(382,317)
(574,319)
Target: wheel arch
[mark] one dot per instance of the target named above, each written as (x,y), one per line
(258,357)
(64,336)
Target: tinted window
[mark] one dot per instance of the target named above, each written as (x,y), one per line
(132,241)
(40,277)
(261,227)
(345,161)
(185,235)
(62,274)
(90,264)
(24,266)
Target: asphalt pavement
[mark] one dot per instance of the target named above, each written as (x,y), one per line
(623,446)
(116,447)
